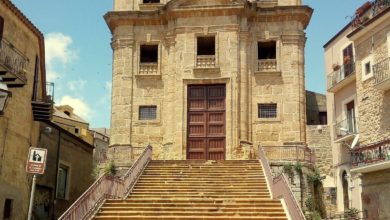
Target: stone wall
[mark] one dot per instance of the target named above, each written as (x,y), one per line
(18,131)
(376,194)
(318,140)
(373,104)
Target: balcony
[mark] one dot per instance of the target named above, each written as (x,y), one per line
(148,70)
(346,129)
(341,77)
(371,158)
(382,74)
(43,107)
(12,65)
(363,14)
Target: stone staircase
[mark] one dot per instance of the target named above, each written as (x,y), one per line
(197,190)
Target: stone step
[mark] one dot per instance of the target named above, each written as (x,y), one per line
(189,204)
(207,188)
(141,217)
(205,196)
(194,200)
(192,213)
(193,209)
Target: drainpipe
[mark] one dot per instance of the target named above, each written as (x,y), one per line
(56,176)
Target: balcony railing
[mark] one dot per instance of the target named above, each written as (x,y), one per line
(382,72)
(267,65)
(289,153)
(342,73)
(12,64)
(205,61)
(148,69)
(43,107)
(346,127)
(364,14)
(371,154)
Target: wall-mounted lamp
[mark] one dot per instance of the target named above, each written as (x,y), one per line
(4,96)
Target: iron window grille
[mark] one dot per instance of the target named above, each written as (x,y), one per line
(148,112)
(267,110)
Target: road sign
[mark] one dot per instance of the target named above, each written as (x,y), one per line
(36,160)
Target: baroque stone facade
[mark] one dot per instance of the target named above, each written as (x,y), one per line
(240,32)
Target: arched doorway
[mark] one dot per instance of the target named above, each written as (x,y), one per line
(344,179)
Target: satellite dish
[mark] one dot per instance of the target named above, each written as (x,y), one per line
(354,142)
(343,129)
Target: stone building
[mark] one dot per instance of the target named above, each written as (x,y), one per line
(65,117)
(208,79)
(357,67)
(316,108)
(68,171)
(22,68)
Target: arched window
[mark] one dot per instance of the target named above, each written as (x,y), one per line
(67,113)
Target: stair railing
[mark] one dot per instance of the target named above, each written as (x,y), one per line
(280,189)
(107,187)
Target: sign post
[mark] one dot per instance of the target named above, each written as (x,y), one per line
(36,163)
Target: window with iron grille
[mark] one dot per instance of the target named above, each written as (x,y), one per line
(148,112)
(267,110)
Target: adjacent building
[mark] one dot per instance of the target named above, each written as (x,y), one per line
(357,68)
(27,99)
(208,79)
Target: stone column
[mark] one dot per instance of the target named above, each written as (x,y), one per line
(244,86)
(122,88)
(296,40)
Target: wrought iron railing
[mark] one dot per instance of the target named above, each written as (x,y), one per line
(381,70)
(13,59)
(205,61)
(267,65)
(371,154)
(341,73)
(289,153)
(379,6)
(346,127)
(107,187)
(148,69)
(280,189)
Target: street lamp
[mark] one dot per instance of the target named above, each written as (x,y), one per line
(4,95)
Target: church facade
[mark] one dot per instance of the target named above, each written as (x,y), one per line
(207,79)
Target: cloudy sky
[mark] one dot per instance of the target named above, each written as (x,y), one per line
(78,53)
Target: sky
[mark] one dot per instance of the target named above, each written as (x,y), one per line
(79,56)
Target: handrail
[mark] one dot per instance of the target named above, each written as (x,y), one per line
(13,59)
(280,188)
(371,154)
(381,71)
(107,186)
(341,73)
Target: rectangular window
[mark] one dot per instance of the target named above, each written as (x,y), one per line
(149,53)
(76,130)
(7,209)
(62,182)
(348,59)
(323,118)
(267,110)
(148,112)
(151,1)
(367,68)
(266,50)
(206,45)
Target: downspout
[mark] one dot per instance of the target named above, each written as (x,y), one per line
(56,176)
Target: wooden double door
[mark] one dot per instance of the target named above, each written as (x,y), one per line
(206,130)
